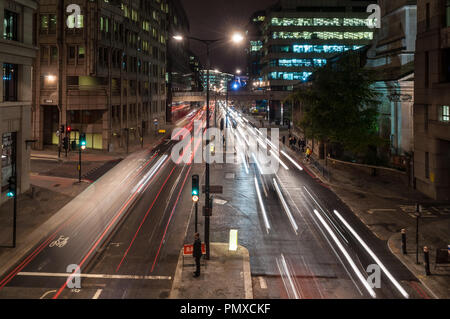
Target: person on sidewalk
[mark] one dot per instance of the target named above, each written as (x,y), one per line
(308,154)
(197,254)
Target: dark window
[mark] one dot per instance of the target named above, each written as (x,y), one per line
(10,23)
(425,111)
(446,64)
(428,15)
(10,74)
(427,70)
(427,165)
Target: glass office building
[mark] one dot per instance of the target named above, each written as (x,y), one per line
(299,36)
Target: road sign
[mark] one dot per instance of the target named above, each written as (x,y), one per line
(213,189)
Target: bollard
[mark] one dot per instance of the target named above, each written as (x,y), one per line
(404,242)
(426,258)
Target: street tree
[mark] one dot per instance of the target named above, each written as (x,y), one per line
(340,105)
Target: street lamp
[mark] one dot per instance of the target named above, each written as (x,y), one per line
(236,38)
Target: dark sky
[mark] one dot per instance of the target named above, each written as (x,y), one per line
(214,19)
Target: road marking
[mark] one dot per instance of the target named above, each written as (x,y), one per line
(262,283)
(48,292)
(97,294)
(94,276)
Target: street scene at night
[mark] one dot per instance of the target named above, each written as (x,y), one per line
(221,159)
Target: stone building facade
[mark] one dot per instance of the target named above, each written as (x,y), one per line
(17,53)
(432,99)
(103,73)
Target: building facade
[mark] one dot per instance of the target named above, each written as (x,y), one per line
(217,80)
(17,53)
(178,62)
(102,73)
(299,36)
(432,99)
(392,56)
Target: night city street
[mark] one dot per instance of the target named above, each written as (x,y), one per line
(221,159)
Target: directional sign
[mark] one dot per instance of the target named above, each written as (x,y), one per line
(213,189)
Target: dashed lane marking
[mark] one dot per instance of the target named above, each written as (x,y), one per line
(262,283)
(97,294)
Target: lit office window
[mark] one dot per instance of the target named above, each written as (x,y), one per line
(335,22)
(354,22)
(445,113)
(447,13)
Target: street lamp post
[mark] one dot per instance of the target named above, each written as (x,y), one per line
(236,38)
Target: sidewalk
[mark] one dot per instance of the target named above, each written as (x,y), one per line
(226,276)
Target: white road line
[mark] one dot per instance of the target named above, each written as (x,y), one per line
(45,294)
(97,294)
(262,283)
(94,276)
(371,253)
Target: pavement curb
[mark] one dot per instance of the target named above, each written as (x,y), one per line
(395,250)
(177,281)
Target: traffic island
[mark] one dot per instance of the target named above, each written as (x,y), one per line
(225,276)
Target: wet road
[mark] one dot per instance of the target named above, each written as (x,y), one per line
(125,232)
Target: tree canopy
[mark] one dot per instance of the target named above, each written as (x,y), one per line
(340,105)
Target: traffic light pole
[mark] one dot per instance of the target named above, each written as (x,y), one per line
(14,160)
(196,217)
(79,164)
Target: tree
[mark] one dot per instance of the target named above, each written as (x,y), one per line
(340,106)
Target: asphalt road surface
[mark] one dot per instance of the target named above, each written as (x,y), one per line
(125,232)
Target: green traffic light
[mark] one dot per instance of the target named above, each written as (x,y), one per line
(10,194)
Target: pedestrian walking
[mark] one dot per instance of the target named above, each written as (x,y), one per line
(197,254)
(284,139)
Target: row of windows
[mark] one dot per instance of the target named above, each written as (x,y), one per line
(299,62)
(323,35)
(316,22)
(307,48)
(298,76)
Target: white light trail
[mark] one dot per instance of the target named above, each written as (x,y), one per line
(346,255)
(257,163)
(371,253)
(279,160)
(283,268)
(292,160)
(286,207)
(149,175)
(263,209)
(245,163)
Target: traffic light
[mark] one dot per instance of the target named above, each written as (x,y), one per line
(11,187)
(83,141)
(66,143)
(195,188)
(62,129)
(69,129)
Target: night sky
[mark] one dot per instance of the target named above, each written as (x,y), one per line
(214,19)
